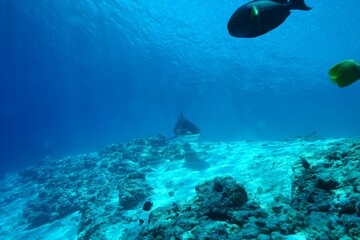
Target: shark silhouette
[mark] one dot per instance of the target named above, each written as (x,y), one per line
(185,129)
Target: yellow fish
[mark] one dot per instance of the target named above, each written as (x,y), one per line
(345,73)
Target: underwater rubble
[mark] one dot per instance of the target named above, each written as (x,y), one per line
(152,188)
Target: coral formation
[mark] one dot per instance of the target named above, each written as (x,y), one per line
(150,188)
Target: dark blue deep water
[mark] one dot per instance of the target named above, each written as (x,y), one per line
(77,75)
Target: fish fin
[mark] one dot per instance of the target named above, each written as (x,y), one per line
(180,115)
(299,5)
(254,11)
(333,78)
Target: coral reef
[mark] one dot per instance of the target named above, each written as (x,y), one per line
(150,188)
(220,210)
(327,195)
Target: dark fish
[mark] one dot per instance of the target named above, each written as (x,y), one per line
(305,163)
(185,129)
(147,206)
(261,16)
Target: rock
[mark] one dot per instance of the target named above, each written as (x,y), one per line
(220,210)
(47,209)
(326,195)
(133,190)
(218,196)
(326,183)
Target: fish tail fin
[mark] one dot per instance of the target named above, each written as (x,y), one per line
(299,5)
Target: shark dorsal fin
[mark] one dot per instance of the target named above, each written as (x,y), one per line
(180,115)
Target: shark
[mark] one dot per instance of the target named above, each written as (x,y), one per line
(186,130)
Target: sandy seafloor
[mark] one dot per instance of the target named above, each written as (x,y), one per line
(300,188)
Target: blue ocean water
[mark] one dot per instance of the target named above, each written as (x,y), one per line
(76,75)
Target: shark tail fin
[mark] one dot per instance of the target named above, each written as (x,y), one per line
(299,5)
